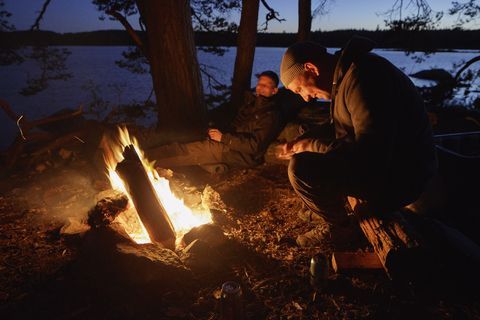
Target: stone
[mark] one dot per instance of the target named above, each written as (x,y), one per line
(109,256)
(200,257)
(208,233)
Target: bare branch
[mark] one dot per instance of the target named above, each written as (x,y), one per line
(211,78)
(421,16)
(16,149)
(322,8)
(130,30)
(8,110)
(57,143)
(466,12)
(468,64)
(201,21)
(36,25)
(27,126)
(272,14)
(109,116)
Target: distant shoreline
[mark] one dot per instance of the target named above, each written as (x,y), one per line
(430,40)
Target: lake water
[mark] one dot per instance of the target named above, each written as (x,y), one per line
(96,65)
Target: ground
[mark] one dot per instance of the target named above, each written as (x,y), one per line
(37,264)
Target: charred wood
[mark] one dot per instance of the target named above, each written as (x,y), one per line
(106,210)
(149,208)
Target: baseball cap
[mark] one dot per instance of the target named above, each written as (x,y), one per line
(270,74)
(295,57)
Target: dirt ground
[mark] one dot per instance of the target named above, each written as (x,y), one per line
(37,262)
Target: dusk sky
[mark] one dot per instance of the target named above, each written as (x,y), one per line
(65,16)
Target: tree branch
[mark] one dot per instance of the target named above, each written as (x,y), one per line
(130,30)
(8,110)
(16,148)
(271,15)
(65,116)
(27,126)
(466,66)
(36,25)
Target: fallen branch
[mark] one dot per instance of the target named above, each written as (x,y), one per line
(16,148)
(78,135)
(27,126)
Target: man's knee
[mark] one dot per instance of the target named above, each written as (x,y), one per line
(296,168)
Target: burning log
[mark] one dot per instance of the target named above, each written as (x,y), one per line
(403,252)
(149,208)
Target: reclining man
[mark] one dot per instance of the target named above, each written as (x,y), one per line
(378,145)
(243,144)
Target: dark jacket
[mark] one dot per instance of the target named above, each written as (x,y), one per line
(381,124)
(257,124)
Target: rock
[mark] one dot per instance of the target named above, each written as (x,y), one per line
(111,258)
(211,199)
(208,233)
(200,257)
(74,226)
(434,75)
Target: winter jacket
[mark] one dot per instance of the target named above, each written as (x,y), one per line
(380,122)
(257,124)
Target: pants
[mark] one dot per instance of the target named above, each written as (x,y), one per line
(202,152)
(323,181)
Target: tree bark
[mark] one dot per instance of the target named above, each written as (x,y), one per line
(304,20)
(247,35)
(174,67)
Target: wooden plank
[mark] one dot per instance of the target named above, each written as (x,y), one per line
(359,260)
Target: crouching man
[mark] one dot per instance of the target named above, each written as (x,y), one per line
(378,145)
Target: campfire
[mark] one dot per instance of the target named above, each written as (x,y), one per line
(154,213)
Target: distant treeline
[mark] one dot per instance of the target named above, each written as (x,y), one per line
(423,40)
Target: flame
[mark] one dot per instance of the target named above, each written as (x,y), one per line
(183,219)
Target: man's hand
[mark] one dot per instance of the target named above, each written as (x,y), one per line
(214,134)
(287,150)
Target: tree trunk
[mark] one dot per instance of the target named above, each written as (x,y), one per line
(304,20)
(247,34)
(174,67)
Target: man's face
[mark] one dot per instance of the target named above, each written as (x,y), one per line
(265,87)
(306,85)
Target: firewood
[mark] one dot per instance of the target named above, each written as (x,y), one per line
(149,208)
(403,252)
(107,209)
